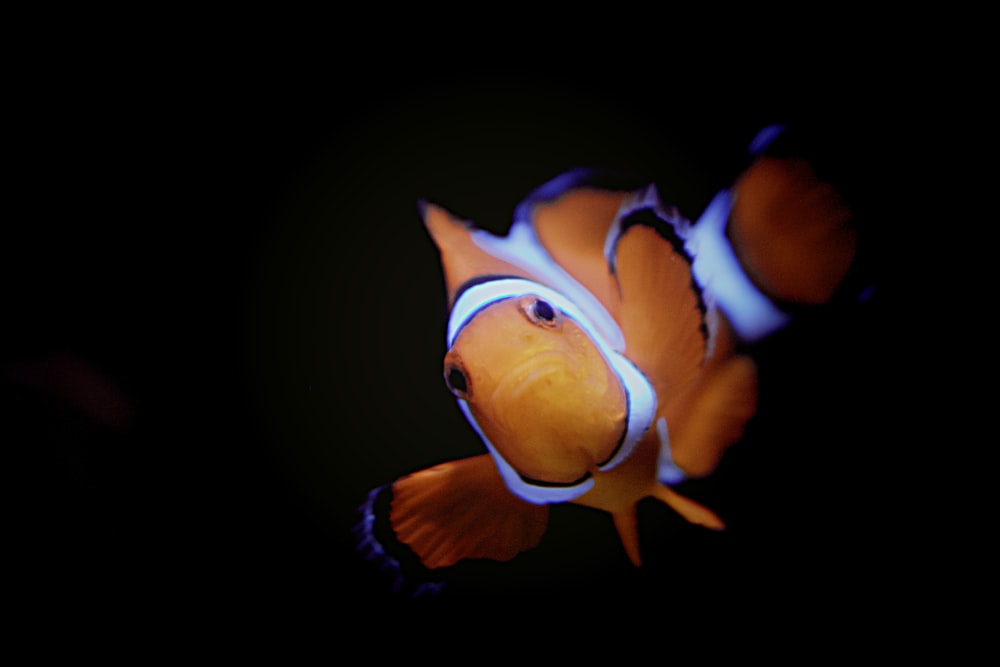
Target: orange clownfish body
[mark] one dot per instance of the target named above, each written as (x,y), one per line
(593,351)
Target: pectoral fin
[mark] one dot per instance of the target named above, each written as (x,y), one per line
(462,509)
(714,415)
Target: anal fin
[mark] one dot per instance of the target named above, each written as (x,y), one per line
(462,509)
(692,511)
(627,525)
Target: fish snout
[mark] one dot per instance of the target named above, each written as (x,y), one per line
(555,422)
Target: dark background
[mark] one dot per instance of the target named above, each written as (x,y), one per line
(230,238)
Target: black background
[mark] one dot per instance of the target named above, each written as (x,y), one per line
(229,233)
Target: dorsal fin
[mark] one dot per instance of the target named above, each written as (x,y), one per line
(662,316)
(574,230)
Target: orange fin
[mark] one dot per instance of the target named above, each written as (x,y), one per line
(713,415)
(661,316)
(689,509)
(791,231)
(461,258)
(462,509)
(627,525)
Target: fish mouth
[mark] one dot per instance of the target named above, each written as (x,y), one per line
(525,377)
(551,418)
(547,385)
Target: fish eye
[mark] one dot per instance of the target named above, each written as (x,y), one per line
(456,381)
(544,311)
(540,312)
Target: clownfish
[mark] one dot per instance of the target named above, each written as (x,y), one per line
(595,349)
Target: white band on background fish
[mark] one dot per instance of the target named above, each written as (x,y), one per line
(720,274)
(640,394)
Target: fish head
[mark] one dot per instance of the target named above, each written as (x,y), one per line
(540,390)
(538,373)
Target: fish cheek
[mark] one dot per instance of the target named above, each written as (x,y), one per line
(471,374)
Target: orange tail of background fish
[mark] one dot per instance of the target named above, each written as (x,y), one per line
(791,230)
